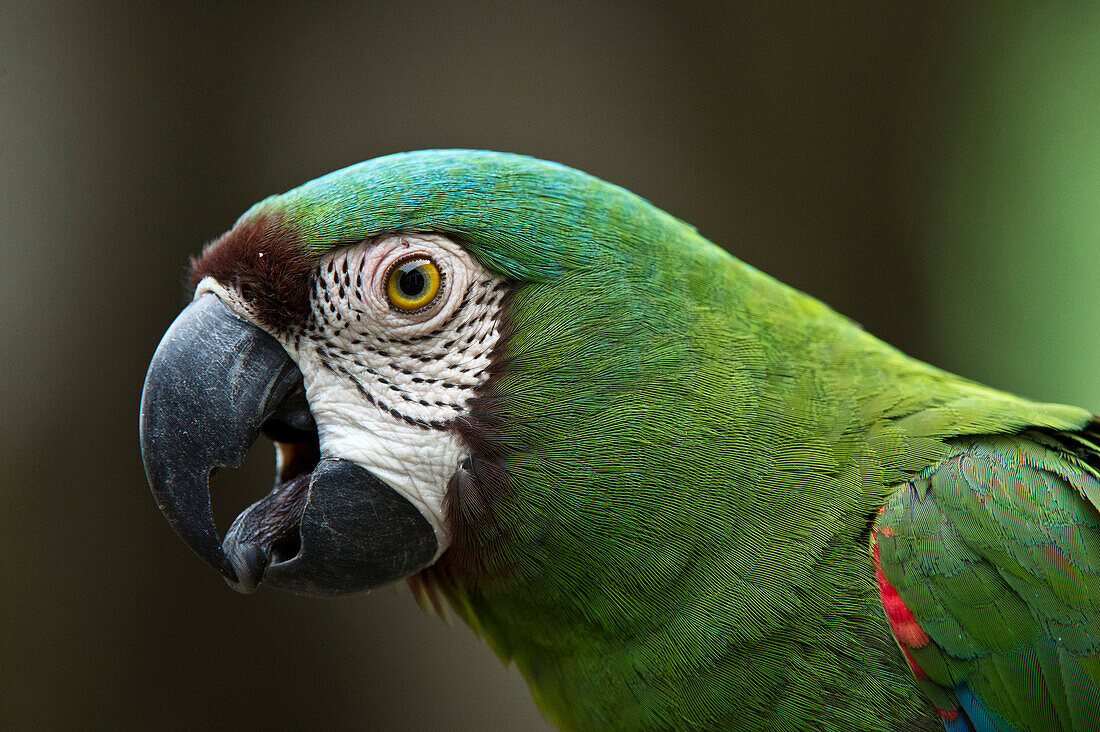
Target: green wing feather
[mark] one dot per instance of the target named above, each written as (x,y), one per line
(996,551)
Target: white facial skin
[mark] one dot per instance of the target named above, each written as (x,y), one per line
(384,384)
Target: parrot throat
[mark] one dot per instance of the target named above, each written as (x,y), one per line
(593,656)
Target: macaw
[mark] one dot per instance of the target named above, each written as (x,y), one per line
(675,492)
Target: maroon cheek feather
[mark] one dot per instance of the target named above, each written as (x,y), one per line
(267,262)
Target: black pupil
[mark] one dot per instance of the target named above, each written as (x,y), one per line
(412,281)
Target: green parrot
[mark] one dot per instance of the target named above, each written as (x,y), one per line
(675,492)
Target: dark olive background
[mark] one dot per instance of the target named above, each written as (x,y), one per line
(933,172)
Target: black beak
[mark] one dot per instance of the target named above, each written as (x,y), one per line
(216,382)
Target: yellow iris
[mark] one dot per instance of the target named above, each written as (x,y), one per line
(413,283)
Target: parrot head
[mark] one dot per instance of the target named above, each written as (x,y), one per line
(368,323)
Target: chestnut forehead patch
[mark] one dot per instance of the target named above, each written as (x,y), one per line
(267,263)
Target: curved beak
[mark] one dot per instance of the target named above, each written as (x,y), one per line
(216,382)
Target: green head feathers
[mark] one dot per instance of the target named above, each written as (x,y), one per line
(526,218)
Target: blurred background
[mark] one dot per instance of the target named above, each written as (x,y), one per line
(932,172)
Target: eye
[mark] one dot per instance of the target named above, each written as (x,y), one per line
(412,283)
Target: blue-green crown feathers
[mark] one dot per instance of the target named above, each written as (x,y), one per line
(527,218)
